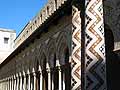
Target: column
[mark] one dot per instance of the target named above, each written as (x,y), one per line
(0,85)
(12,83)
(52,80)
(28,87)
(15,83)
(41,78)
(63,81)
(24,83)
(8,83)
(60,75)
(34,78)
(95,60)
(20,76)
(49,76)
(4,84)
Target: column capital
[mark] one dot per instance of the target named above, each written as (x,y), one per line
(28,72)
(14,76)
(33,71)
(34,74)
(24,74)
(57,62)
(48,68)
(39,69)
(17,75)
(59,68)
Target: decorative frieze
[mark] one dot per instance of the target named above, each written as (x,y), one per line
(44,14)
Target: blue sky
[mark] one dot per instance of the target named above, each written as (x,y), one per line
(14,14)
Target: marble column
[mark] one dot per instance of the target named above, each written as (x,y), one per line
(60,74)
(15,83)
(41,77)
(3,85)
(20,76)
(49,76)
(34,79)
(10,84)
(63,81)
(0,85)
(52,80)
(24,83)
(7,83)
(28,87)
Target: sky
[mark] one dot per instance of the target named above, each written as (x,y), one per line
(15,14)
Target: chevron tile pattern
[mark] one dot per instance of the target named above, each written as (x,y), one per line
(76,50)
(95,71)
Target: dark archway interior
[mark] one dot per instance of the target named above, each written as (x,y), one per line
(67,70)
(45,75)
(112,62)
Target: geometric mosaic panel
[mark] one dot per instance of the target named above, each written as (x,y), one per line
(76,50)
(95,71)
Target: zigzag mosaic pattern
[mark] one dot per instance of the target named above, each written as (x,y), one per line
(76,50)
(95,77)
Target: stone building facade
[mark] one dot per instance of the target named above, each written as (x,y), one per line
(65,47)
(7,38)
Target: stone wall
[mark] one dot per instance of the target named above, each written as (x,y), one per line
(112,19)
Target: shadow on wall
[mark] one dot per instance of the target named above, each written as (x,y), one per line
(112,35)
(112,62)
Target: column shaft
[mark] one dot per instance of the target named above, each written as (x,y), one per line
(49,80)
(24,84)
(14,83)
(60,79)
(21,83)
(41,81)
(34,77)
(29,81)
(18,83)
(10,84)
(52,80)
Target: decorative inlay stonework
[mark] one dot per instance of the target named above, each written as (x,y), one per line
(76,50)
(95,71)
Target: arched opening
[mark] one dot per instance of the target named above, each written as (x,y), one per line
(55,75)
(112,62)
(37,76)
(66,70)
